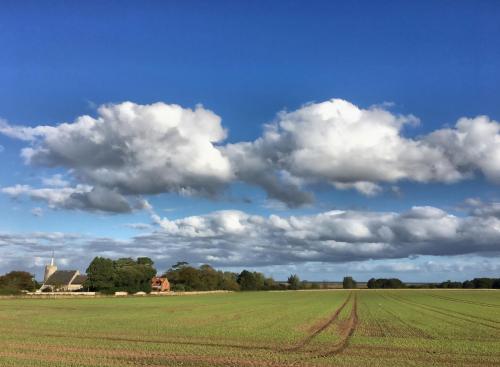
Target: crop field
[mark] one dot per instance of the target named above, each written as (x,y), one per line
(310,328)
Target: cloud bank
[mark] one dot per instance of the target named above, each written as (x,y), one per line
(238,239)
(130,150)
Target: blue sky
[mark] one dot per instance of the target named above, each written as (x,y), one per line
(435,61)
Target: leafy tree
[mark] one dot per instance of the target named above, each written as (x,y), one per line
(101,275)
(293,282)
(17,281)
(145,261)
(270,284)
(190,278)
(246,280)
(467,284)
(229,281)
(482,282)
(349,283)
(125,274)
(385,283)
(209,277)
(260,281)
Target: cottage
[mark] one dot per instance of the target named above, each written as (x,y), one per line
(160,284)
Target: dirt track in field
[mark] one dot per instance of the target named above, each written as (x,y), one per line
(347,331)
(318,329)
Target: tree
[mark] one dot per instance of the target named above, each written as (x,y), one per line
(467,284)
(229,281)
(125,274)
(145,261)
(209,277)
(190,277)
(246,280)
(482,282)
(293,282)
(134,276)
(496,283)
(385,283)
(371,283)
(349,283)
(101,275)
(17,281)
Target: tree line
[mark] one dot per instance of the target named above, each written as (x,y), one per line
(125,274)
(477,283)
(185,277)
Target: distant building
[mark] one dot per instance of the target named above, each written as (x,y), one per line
(160,284)
(62,280)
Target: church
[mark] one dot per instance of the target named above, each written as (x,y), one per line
(61,280)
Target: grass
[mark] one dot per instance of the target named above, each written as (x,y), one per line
(323,328)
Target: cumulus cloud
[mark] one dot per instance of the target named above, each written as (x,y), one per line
(354,148)
(133,149)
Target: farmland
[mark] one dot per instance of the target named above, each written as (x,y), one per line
(313,328)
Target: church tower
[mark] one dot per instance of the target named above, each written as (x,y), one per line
(49,269)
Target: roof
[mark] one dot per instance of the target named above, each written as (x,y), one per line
(61,277)
(79,279)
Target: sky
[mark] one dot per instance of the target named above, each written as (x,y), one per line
(322,138)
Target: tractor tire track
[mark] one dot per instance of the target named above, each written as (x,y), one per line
(347,333)
(318,330)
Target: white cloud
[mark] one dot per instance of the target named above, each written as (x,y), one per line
(350,147)
(473,145)
(133,149)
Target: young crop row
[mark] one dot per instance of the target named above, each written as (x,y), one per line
(344,328)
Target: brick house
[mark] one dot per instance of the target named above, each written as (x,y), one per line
(160,284)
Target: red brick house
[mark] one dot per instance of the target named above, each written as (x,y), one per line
(160,284)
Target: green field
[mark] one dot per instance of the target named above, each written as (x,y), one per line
(314,328)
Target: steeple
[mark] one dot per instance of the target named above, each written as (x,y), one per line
(50,269)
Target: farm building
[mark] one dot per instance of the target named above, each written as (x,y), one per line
(160,284)
(62,280)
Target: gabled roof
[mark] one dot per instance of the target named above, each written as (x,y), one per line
(61,277)
(79,279)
